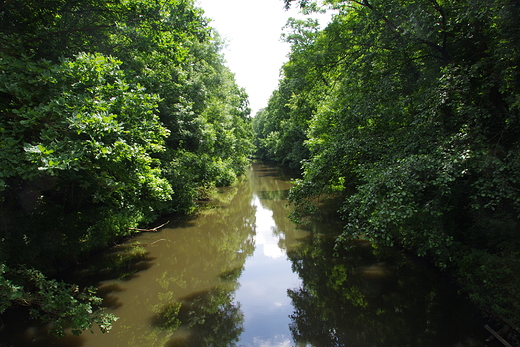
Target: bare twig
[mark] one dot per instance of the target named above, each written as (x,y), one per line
(151,229)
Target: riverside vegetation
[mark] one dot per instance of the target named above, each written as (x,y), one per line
(407,115)
(113,113)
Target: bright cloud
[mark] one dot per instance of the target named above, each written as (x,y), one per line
(254,52)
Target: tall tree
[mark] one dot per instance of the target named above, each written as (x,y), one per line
(112,113)
(414,128)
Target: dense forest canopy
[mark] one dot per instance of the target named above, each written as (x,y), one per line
(112,113)
(407,114)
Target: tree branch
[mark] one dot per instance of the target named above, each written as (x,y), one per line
(152,229)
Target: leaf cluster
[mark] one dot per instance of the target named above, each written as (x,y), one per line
(63,304)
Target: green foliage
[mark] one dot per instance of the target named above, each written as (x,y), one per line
(84,148)
(63,305)
(112,113)
(89,123)
(409,112)
(281,128)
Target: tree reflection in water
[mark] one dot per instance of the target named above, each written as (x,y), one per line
(179,287)
(369,296)
(210,315)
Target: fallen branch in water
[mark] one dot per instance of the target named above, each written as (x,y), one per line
(152,229)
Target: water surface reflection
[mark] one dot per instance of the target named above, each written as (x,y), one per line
(371,296)
(241,274)
(264,283)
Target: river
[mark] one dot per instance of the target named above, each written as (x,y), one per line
(239,273)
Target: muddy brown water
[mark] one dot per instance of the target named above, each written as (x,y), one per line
(241,274)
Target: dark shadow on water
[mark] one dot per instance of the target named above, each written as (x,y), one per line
(33,334)
(365,295)
(179,220)
(187,222)
(122,262)
(110,301)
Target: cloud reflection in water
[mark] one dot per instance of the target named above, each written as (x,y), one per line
(265,228)
(263,286)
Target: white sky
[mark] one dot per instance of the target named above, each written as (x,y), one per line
(255,52)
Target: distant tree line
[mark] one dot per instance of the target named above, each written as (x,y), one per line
(407,114)
(112,113)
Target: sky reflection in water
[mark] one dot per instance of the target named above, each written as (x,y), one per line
(263,286)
